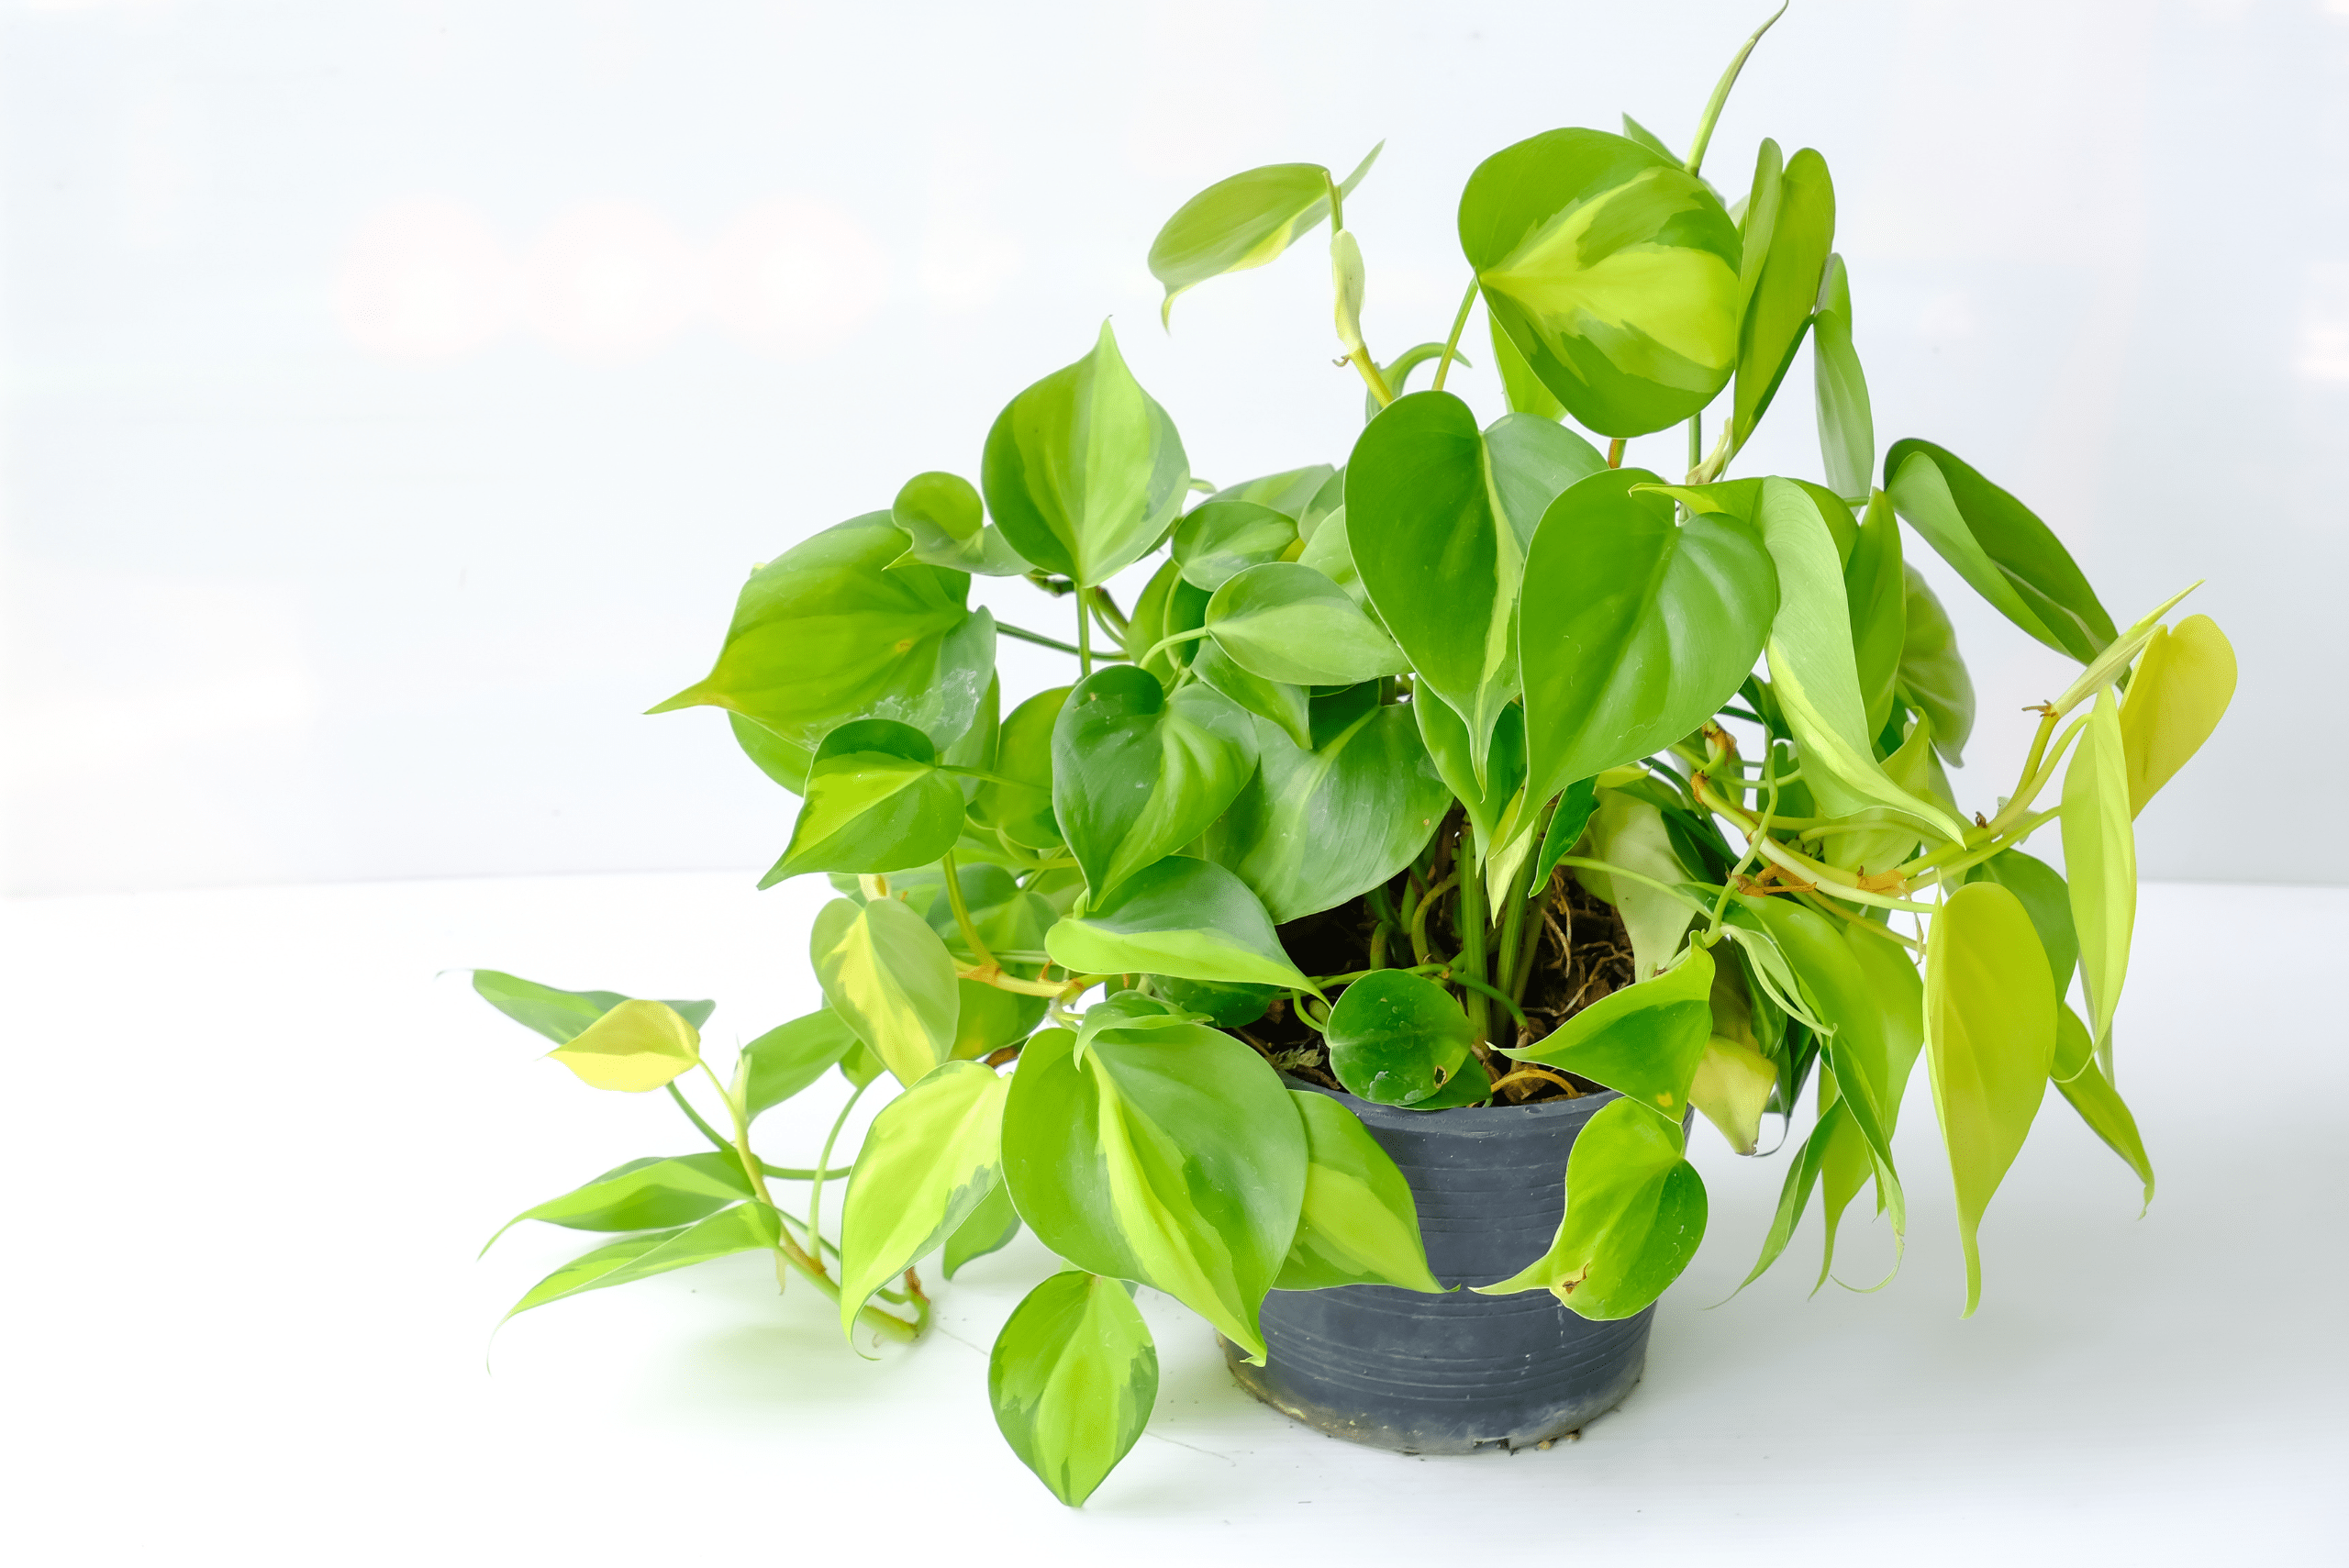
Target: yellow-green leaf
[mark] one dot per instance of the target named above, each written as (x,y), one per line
(635,1047)
(2183,680)
(1072,1378)
(2100,860)
(887,975)
(1359,1224)
(931,1156)
(1244,222)
(2100,1104)
(1732,1087)
(1990,1045)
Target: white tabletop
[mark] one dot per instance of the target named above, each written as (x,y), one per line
(256,1144)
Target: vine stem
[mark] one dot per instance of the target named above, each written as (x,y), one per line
(1459,323)
(1084,636)
(961,918)
(824,1161)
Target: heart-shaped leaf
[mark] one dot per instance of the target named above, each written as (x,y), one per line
(1636,628)
(1613,271)
(1287,622)
(1635,1212)
(875,802)
(1072,1377)
(890,979)
(1171,1157)
(940,513)
(1084,471)
(1137,773)
(833,630)
(635,1047)
(1644,1042)
(2184,682)
(1359,1224)
(1397,1037)
(1244,222)
(928,1159)
(1217,540)
(1187,917)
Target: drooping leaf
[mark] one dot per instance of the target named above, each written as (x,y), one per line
(1242,222)
(787,1059)
(1990,1041)
(1292,493)
(1289,707)
(1733,1089)
(1565,829)
(1128,1011)
(1630,832)
(1285,621)
(1879,847)
(1644,1042)
(875,802)
(1758,221)
(1225,1007)
(1217,540)
(635,1047)
(560,1015)
(1169,1157)
(1452,752)
(987,1229)
(1084,471)
(1187,917)
(1072,1377)
(1314,829)
(1876,598)
(832,630)
(1933,677)
(1846,424)
(1023,810)
(940,513)
(1138,773)
(929,1158)
(745,1228)
(890,979)
(1636,628)
(1397,1037)
(1359,1224)
(1613,271)
(2002,551)
(2185,679)
(1778,312)
(643,1194)
(2101,856)
(1635,1212)
(2046,899)
(2092,1095)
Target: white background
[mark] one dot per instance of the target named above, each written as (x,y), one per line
(396,393)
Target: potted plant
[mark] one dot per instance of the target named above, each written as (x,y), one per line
(1347,949)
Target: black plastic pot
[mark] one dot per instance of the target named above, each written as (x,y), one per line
(1451,1373)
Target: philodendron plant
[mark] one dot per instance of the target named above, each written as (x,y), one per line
(1482,770)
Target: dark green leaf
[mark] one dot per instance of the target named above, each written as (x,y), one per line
(1287,622)
(2045,899)
(1566,824)
(1024,810)
(1137,773)
(1225,1007)
(1447,742)
(1396,1037)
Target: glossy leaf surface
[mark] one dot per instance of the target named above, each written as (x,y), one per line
(643,1194)
(1644,1042)
(2101,854)
(787,1059)
(1359,1224)
(1564,828)
(1072,1377)
(2185,680)
(1169,1157)
(987,1229)
(1287,707)
(941,514)
(875,802)
(1287,622)
(1397,1037)
(1244,222)
(928,1159)
(1183,917)
(1777,313)
(1635,1212)
(1084,471)
(1613,271)
(747,1227)
(1217,540)
(1840,390)
(1990,1041)
(890,979)
(1138,773)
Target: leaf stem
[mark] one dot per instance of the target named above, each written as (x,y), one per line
(824,1161)
(1022,634)
(1459,323)
(686,1105)
(1468,917)
(1084,636)
(962,920)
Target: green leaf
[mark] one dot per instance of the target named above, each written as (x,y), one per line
(1614,273)
(560,1015)
(1846,425)
(1932,678)
(1084,471)
(1644,1042)
(987,1229)
(1217,540)
(875,802)
(1630,832)
(1758,222)
(1023,810)
(2101,854)
(1649,140)
(1137,773)
(1225,1007)
(1289,707)
(1777,313)
(1171,1157)
(931,1156)
(635,1047)
(1242,222)
(1182,917)
(1072,1378)
(1566,828)
(1291,492)
(1359,1224)
(747,1227)
(1875,600)
(1397,1037)
(2184,682)
(940,513)
(832,630)
(2046,899)
(643,1194)
(1130,1011)
(1636,628)
(2007,554)
(1635,1212)
(1396,372)
(890,979)
(1733,1089)
(1990,1043)
(1285,621)
(1813,675)
(2100,1105)
(788,1058)
(1451,751)
(1314,829)
(1331,552)
(1521,387)
(1876,849)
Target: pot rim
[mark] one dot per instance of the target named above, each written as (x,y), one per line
(1580,1107)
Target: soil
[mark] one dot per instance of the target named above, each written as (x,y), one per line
(1581,954)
